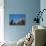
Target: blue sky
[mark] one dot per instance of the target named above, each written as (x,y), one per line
(16,17)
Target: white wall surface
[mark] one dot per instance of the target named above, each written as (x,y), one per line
(1,21)
(27,7)
(43,6)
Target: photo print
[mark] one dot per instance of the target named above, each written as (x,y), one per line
(17,19)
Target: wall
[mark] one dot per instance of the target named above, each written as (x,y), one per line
(1,21)
(28,7)
(42,6)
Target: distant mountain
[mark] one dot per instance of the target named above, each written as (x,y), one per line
(22,22)
(19,22)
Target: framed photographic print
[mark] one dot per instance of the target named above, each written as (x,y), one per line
(17,19)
